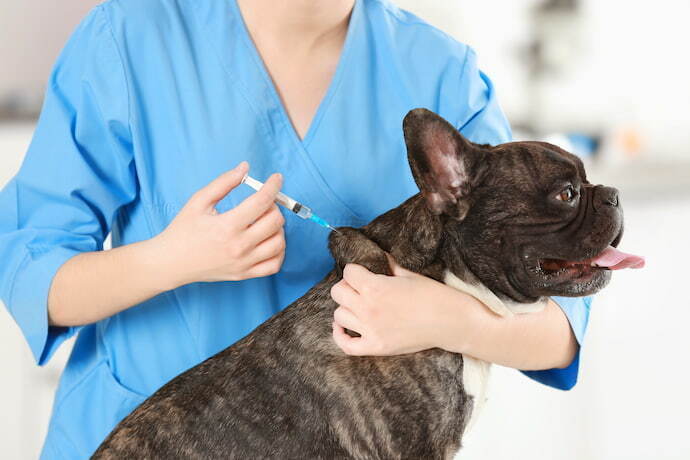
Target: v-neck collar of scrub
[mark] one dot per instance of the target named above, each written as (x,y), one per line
(268,81)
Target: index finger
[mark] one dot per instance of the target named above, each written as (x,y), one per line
(258,203)
(208,196)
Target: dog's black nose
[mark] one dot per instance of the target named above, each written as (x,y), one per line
(609,196)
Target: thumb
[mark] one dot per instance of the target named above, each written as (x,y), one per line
(207,197)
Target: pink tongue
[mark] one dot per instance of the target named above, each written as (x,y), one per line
(616,260)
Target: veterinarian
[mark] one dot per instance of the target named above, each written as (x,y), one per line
(149,110)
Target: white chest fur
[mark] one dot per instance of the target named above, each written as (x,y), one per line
(475,373)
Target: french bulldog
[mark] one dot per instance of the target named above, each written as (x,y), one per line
(510,224)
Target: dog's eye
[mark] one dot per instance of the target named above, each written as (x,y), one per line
(567,194)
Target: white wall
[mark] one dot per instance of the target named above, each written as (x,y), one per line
(630,67)
(32,32)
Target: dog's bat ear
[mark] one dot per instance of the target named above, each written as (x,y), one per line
(445,165)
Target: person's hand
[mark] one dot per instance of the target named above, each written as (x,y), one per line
(398,314)
(247,241)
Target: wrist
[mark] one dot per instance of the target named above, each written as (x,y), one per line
(164,264)
(458,320)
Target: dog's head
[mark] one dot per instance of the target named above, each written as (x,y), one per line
(523,215)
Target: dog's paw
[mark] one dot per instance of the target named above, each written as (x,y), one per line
(350,245)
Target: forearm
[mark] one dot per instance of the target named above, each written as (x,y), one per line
(531,341)
(95,285)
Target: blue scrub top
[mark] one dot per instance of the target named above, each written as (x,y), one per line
(151,100)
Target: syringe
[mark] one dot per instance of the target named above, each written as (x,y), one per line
(295,206)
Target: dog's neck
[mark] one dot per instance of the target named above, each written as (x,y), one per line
(502,307)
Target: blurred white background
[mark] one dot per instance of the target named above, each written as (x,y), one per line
(612,72)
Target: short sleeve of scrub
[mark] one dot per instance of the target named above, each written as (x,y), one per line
(485,123)
(76,174)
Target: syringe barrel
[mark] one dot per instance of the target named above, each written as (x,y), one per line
(303,211)
(286,201)
(295,206)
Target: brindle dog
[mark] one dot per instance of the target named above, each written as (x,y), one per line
(513,218)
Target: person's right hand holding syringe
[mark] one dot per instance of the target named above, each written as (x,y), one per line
(199,245)
(247,241)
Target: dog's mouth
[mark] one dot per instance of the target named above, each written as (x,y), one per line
(609,259)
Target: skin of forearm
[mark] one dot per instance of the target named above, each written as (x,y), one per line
(529,341)
(95,285)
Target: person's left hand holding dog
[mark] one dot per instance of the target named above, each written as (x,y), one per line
(386,311)
(408,312)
